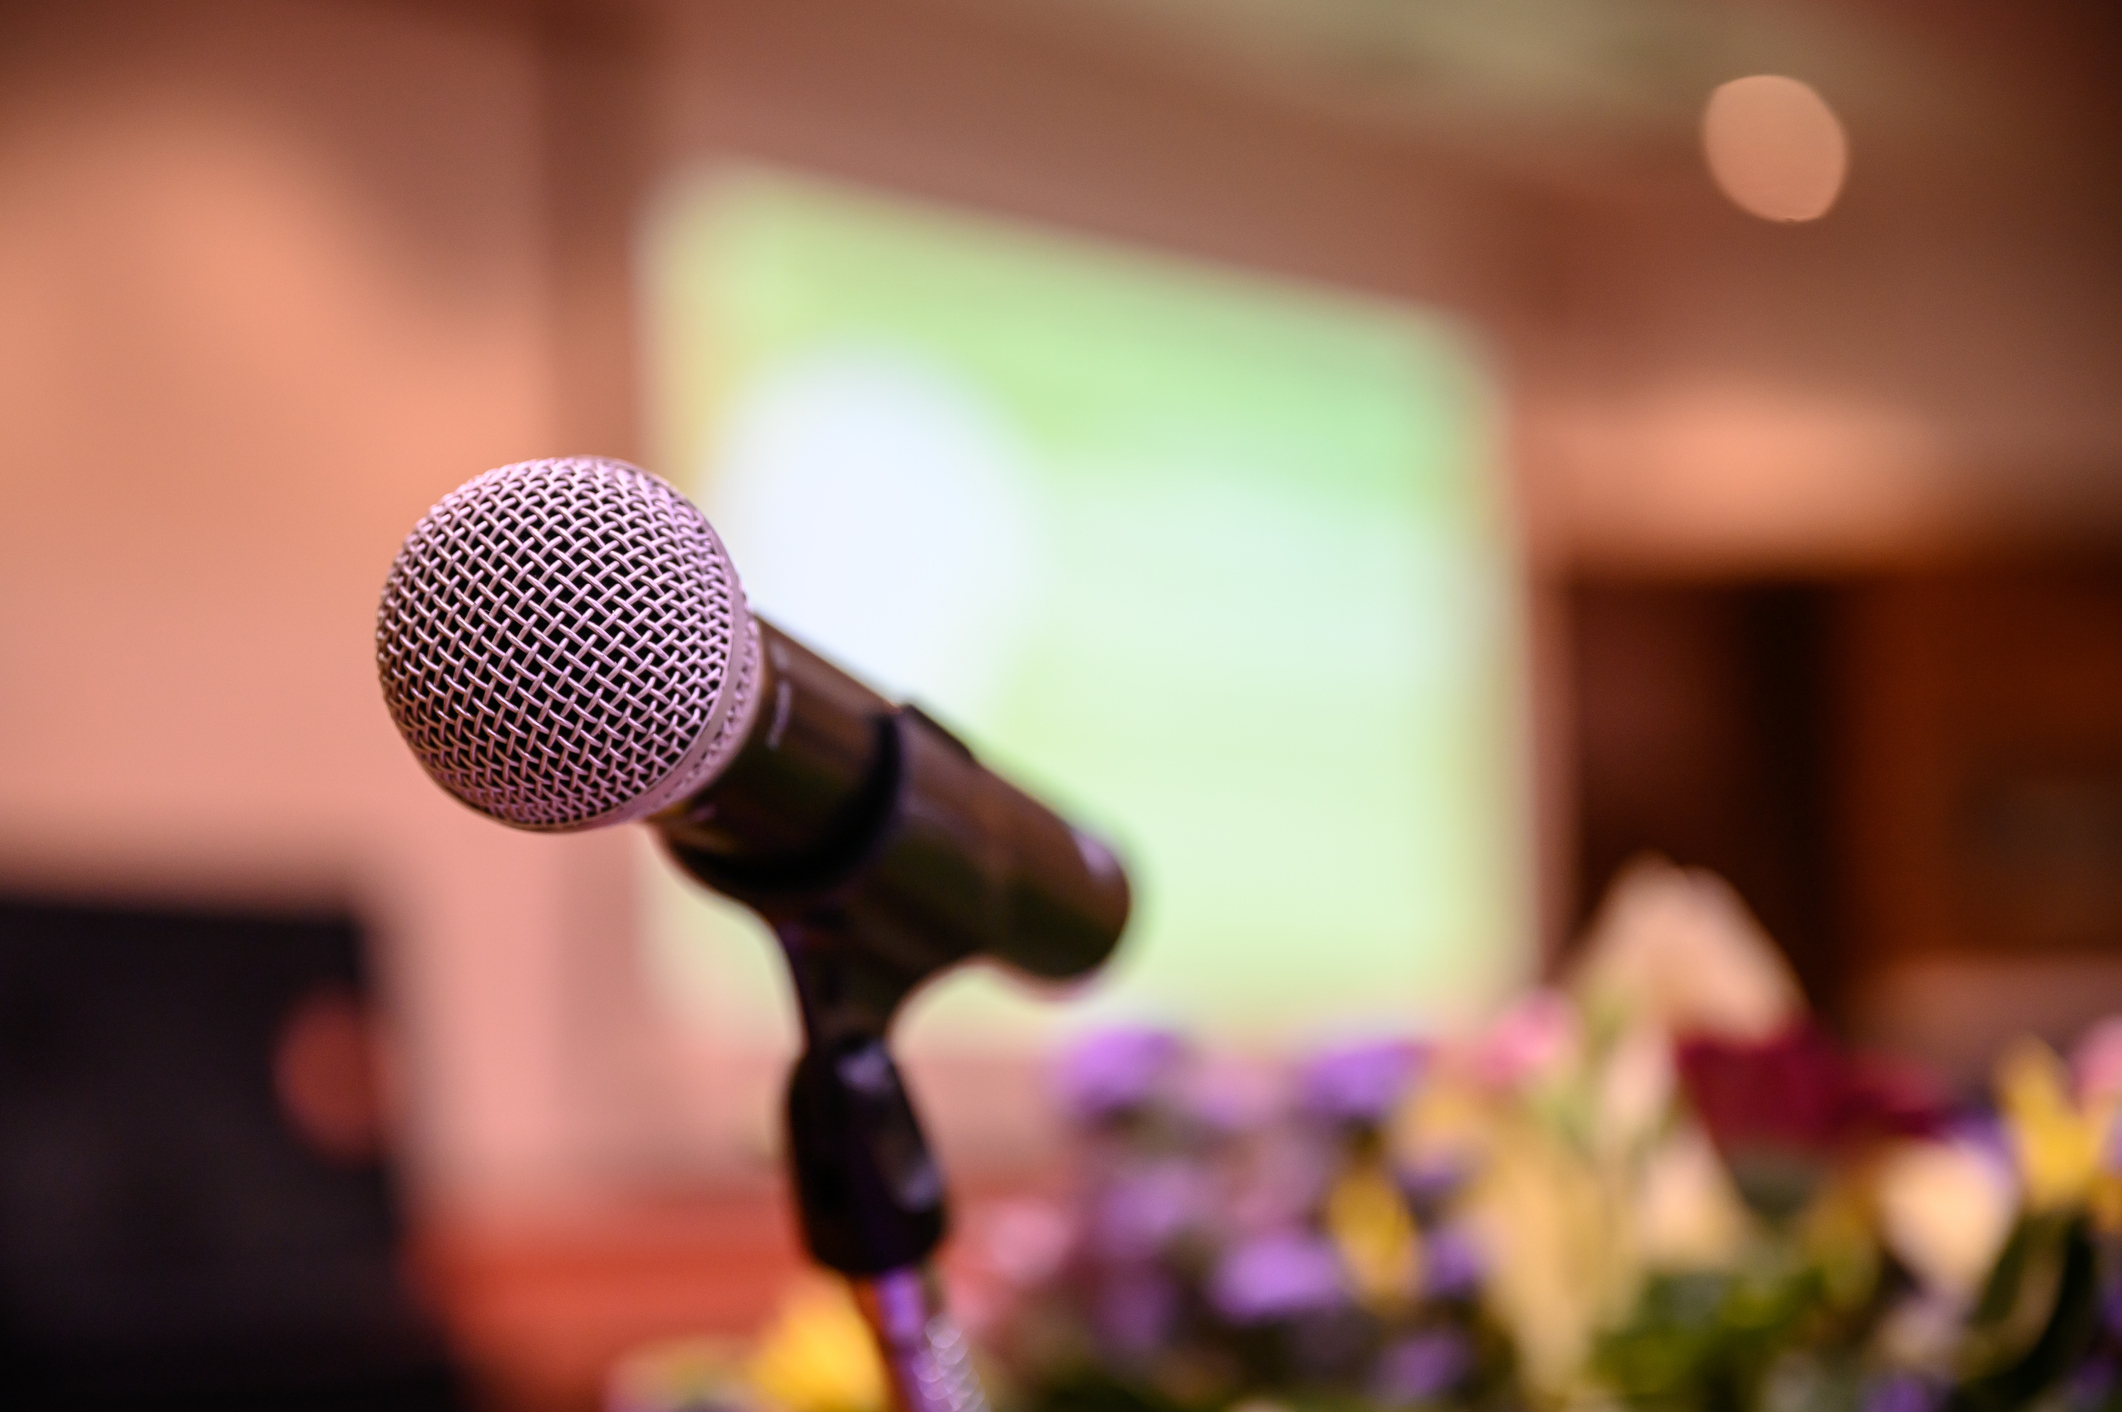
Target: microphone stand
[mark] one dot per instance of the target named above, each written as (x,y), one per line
(868,1192)
(892,902)
(898,857)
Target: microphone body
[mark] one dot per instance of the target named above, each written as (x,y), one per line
(837,798)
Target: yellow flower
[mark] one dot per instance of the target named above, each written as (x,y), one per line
(1554,1233)
(676,1373)
(2104,1200)
(818,1355)
(1450,1125)
(2056,1144)
(1380,1247)
(1840,1232)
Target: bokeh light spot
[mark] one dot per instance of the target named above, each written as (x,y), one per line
(1775,147)
(324,1075)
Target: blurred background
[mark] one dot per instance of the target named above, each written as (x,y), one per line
(1389,463)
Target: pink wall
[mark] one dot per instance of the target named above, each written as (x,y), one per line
(273,277)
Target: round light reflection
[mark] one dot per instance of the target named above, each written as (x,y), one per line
(1775,147)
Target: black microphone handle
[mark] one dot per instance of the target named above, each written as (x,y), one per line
(840,799)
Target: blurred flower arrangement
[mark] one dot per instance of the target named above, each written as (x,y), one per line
(1658,1186)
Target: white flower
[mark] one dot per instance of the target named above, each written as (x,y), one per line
(1688,1214)
(1946,1210)
(1677,948)
(1635,1088)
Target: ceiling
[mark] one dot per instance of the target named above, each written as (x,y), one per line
(1580,92)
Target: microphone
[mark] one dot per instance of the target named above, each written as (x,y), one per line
(565,645)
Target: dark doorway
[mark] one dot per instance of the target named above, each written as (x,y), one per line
(1703,733)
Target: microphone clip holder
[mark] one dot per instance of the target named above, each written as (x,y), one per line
(868,1191)
(869,1195)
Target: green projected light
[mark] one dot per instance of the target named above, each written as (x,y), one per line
(1221,565)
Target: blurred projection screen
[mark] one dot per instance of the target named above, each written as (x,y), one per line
(1223,565)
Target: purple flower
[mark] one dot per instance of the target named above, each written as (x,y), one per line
(2091,1385)
(1453,1267)
(1233,1097)
(1277,1277)
(1984,1132)
(1361,1082)
(1901,1392)
(1283,1180)
(1143,1209)
(1429,1185)
(1114,1072)
(1422,1367)
(2111,1309)
(1134,1310)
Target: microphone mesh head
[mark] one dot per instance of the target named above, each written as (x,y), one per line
(564,644)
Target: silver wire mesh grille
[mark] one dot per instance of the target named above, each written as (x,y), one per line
(565,644)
